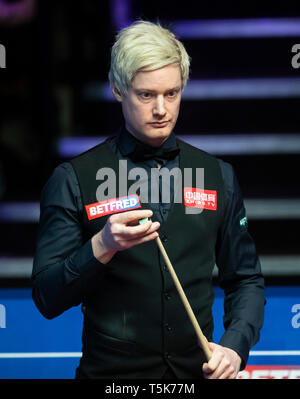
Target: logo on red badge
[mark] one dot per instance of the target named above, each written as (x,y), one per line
(198,198)
(114,205)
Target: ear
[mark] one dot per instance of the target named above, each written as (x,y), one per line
(117,94)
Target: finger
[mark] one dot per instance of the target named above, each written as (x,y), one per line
(214,374)
(211,345)
(206,369)
(141,240)
(133,232)
(131,216)
(229,374)
(214,362)
(223,370)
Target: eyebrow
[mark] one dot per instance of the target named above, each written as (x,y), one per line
(154,91)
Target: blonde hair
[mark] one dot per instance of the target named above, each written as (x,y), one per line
(147,46)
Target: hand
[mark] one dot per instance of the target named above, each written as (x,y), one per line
(121,232)
(224,364)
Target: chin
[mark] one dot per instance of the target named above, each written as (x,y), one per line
(156,137)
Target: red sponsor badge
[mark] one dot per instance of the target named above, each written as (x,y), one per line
(114,205)
(283,372)
(199,198)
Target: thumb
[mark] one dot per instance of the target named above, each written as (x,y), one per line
(212,346)
(207,342)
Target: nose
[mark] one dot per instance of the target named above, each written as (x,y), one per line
(159,107)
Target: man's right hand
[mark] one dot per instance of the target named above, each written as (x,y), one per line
(123,231)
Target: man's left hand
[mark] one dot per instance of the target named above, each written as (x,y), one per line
(224,363)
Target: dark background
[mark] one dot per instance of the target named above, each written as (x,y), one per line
(59,48)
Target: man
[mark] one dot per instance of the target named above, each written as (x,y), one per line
(92,250)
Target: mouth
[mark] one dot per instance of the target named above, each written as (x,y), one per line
(159,125)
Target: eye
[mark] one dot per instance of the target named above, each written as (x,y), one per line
(145,95)
(172,93)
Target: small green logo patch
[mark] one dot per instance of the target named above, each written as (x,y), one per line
(244,221)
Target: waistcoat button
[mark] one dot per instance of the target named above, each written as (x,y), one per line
(164,238)
(167,296)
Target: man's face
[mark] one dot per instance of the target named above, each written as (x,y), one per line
(151,105)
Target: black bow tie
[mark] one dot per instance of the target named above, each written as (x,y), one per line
(143,153)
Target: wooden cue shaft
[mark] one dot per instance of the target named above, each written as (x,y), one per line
(185,301)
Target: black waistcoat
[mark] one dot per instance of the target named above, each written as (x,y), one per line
(134,320)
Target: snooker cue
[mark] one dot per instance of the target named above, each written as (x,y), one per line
(199,333)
